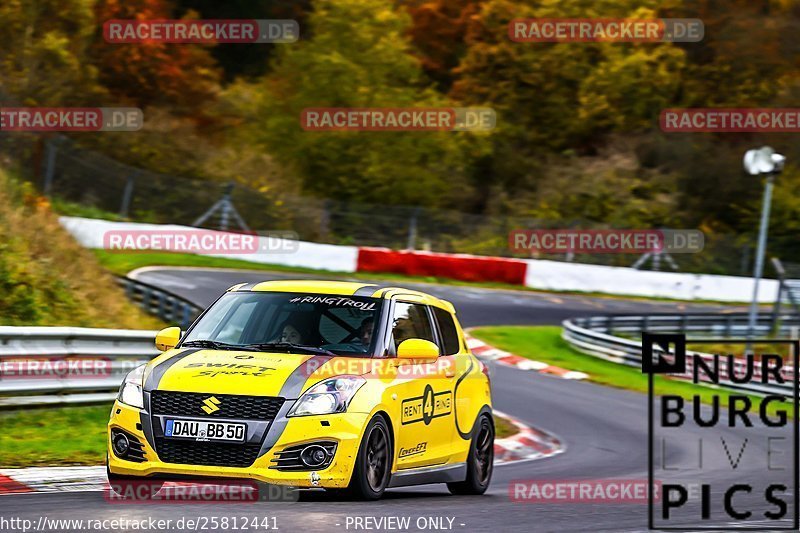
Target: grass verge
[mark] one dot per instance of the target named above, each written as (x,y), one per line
(503,427)
(544,343)
(60,436)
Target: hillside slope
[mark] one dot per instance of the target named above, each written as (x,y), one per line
(46,278)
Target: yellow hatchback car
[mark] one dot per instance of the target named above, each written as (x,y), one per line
(345,386)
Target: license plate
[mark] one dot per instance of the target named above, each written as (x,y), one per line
(202,430)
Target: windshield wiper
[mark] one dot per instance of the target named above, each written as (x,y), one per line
(289,346)
(215,345)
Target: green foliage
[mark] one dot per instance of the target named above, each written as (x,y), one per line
(367,65)
(43,57)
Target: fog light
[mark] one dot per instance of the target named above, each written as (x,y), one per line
(121,444)
(314,455)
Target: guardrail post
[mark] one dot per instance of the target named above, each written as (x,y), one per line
(161,307)
(146,294)
(187,313)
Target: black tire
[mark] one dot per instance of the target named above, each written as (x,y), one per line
(373,466)
(133,487)
(480,461)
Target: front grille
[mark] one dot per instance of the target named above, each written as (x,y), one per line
(206,453)
(228,405)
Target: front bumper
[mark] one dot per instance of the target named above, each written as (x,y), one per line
(345,429)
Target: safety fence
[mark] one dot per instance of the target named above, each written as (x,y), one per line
(68,172)
(616,338)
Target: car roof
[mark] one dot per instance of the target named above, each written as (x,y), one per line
(343,288)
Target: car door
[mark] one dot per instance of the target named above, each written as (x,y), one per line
(424,391)
(469,395)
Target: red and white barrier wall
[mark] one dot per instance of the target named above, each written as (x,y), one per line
(537,274)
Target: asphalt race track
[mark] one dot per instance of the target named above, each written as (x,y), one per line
(605,431)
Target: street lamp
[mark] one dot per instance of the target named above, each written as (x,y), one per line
(758,162)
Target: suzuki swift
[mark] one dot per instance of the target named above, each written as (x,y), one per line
(344,386)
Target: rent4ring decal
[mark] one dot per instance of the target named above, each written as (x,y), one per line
(427,407)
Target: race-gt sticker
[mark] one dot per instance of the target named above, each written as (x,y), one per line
(427,407)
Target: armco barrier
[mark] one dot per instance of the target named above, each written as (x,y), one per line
(28,355)
(170,307)
(533,273)
(595,336)
(561,276)
(453,266)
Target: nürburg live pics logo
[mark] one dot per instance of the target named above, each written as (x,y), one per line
(724,449)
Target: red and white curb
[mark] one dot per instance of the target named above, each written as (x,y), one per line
(526,445)
(52,479)
(485,351)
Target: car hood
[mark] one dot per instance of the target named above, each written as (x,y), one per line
(230,372)
(246,373)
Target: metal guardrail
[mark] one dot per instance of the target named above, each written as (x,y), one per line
(54,365)
(65,365)
(159,302)
(595,336)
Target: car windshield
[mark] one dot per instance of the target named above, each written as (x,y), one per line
(289,322)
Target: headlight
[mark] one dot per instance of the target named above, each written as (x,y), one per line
(327,397)
(130,393)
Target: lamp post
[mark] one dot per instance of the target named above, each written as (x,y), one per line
(758,162)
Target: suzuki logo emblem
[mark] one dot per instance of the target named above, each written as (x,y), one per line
(210,405)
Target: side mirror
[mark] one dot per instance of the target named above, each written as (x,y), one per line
(417,349)
(167,338)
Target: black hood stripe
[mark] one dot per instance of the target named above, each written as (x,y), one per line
(158,372)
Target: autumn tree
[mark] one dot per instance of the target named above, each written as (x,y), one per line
(438,32)
(43,60)
(359,56)
(183,77)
